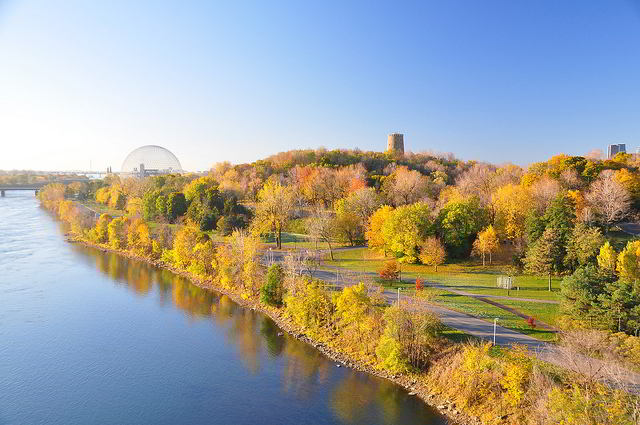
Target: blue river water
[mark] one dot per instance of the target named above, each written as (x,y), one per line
(88,337)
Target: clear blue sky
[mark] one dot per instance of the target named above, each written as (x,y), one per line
(490,80)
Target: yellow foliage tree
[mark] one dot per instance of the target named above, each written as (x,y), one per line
(374,234)
(273,210)
(139,238)
(487,242)
(607,258)
(627,264)
(354,308)
(432,252)
(117,230)
(511,203)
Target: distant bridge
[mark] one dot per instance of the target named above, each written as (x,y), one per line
(35,187)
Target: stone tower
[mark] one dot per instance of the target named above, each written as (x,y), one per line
(395,143)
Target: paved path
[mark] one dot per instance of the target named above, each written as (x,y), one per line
(477,327)
(630,228)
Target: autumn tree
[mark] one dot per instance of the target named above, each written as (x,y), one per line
(374,235)
(321,225)
(117,230)
(355,313)
(432,252)
(405,186)
(273,210)
(139,237)
(405,229)
(511,204)
(607,257)
(628,262)
(100,233)
(609,199)
(487,242)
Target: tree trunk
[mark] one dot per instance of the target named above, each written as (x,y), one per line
(279,239)
(490,262)
(482,258)
(549,282)
(330,250)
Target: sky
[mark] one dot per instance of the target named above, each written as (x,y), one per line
(82,83)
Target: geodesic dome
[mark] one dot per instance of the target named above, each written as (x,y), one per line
(153,157)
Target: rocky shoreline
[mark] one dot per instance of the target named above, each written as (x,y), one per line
(410,382)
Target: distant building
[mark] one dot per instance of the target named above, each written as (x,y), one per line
(612,150)
(395,143)
(150,160)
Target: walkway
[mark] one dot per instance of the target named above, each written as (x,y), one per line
(477,327)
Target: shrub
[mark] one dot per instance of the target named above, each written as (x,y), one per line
(311,308)
(531,321)
(408,340)
(117,230)
(390,270)
(271,291)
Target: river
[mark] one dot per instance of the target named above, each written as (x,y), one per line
(91,337)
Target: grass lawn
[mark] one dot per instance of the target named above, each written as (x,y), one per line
(488,312)
(547,313)
(103,209)
(467,276)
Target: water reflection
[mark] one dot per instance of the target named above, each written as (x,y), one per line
(355,398)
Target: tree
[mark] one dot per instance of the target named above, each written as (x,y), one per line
(101,230)
(374,234)
(139,237)
(607,259)
(405,186)
(322,226)
(362,203)
(271,291)
(408,339)
(353,307)
(432,252)
(609,199)
(348,227)
(405,229)
(628,263)
(205,202)
(512,204)
(580,293)
(583,246)
(161,205)
(487,242)
(390,270)
(176,206)
(545,256)
(149,211)
(274,209)
(117,230)
(184,244)
(459,222)
(621,303)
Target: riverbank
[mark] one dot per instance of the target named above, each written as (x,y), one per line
(414,384)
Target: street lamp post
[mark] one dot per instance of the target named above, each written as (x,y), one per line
(495,323)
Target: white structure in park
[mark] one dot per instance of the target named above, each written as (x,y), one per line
(151,160)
